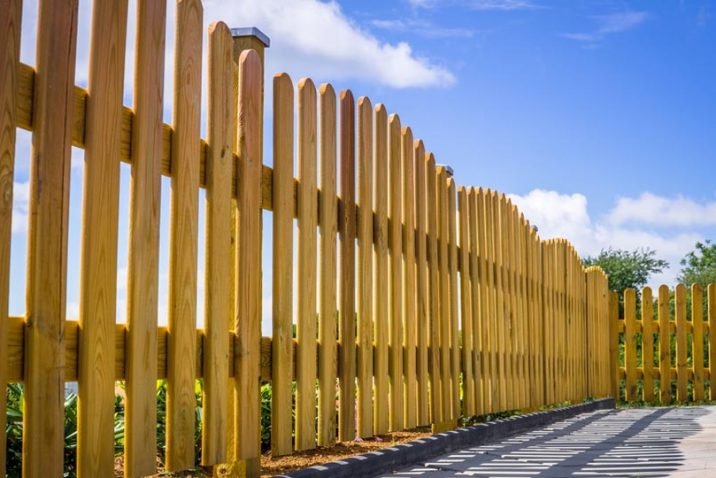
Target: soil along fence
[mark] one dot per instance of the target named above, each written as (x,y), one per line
(665,344)
(412,300)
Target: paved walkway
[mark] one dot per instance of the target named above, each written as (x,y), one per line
(676,442)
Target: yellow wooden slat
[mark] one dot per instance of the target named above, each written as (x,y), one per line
(365,268)
(697,352)
(436,402)
(453,300)
(181,400)
(248,271)
(327,291)
(380,271)
(10,16)
(43,419)
(347,228)
(282,294)
(466,305)
(486,212)
(396,273)
(478,300)
(422,275)
(409,280)
(681,350)
(711,293)
(100,211)
(500,318)
(647,321)
(143,261)
(306,328)
(664,346)
(444,283)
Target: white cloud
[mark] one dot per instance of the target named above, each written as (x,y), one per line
(567,216)
(21,207)
(656,210)
(609,24)
(315,38)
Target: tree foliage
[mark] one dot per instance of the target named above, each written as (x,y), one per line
(699,265)
(627,269)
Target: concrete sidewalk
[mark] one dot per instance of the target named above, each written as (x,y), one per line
(676,442)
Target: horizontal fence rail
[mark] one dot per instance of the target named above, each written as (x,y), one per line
(408,300)
(665,345)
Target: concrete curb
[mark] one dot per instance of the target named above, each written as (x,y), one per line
(389,459)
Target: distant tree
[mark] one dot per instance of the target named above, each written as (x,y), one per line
(627,269)
(699,265)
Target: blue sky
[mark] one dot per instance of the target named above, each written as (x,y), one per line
(598,117)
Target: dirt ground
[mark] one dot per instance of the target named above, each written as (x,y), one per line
(272,466)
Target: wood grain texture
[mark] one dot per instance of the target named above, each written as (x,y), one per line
(647,327)
(436,402)
(380,271)
(365,268)
(328,323)
(444,287)
(453,300)
(681,350)
(396,273)
(477,300)
(697,352)
(409,282)
(630,343)
(711,296)
(100,211)
(664,347)
(422,292)
(466,304)
(347,230)
(143,261)
(282,294)
(248,281)
(181,401)
(10,18)
(217,306)
(307,328)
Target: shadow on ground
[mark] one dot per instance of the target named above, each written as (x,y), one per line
(632,442)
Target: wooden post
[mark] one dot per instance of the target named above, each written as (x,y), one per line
(697,320)
(681,351)
(647,347)
(409,280)
(664,346)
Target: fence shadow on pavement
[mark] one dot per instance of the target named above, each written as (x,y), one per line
(628,442)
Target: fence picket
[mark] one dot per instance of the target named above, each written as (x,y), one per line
(44,340)
(454,321)
(697,350)
(9,57)
(381,264)
(664,346)
(681,351)
(143,261)
(248,296)
(396,273)
(466,305)
(306,327)
(282,297)
(436,402)
(327,365)
(422,276)
(100,203)
(365,268)
(347,229)
(443,316)
(478,306)
(409,281)
(711,293)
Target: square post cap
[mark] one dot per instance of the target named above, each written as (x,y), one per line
(251,32)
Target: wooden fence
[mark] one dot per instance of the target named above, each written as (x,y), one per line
(450,306)
(665,346)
